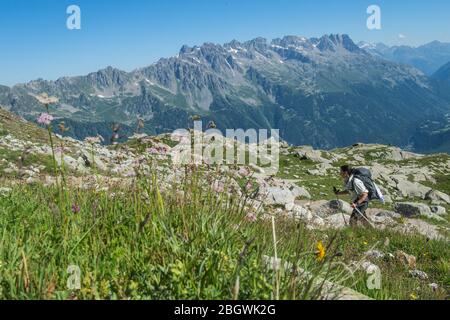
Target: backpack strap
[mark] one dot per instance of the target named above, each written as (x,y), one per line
(353,181)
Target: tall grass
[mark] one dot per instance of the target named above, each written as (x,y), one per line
(151,240)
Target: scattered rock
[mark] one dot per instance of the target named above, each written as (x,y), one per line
(410,209)
(397,154)
(337,221)
(308,153)
(434,287)
(406,259)
(417,226)
(69,162)
(301,213)
(418,274)
(316,172)
(437,197)
(369,267)
(30,180)
(440,211)
(290,206)
(277,195)
(340,206)
(5,191)
(388,214)
(9,170)
(374,254)
(410,189)
(326,208)
(382,218)
(281,192)
(316,222)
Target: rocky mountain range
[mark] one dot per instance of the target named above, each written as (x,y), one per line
(428,58)
(326,92)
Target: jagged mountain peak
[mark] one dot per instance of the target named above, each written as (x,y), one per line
(293,42)
(108,77)
(259,44)
(327,43)
(109,70)
(235,44)
(334,42)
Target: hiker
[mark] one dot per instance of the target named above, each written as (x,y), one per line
(360,195)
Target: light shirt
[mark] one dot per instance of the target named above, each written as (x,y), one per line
(356,188)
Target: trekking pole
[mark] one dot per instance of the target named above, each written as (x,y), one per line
(367,219)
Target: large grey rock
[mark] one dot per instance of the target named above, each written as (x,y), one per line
(299,212)
(387,214)
(340,206)
(410,189)
(418,226)
(410,209)
(326,208)
(337,221)
(437,197)
(382,218)
(277,195)
(69,162)
(308,153)
(281,192)
(397,155)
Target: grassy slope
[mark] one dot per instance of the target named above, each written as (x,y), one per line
(149,245)
(144,244)
(169,246)
(12,124)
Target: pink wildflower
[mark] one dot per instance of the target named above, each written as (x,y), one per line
(244,172)
(76,208)
(45,119)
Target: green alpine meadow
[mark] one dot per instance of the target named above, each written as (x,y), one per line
(83,220)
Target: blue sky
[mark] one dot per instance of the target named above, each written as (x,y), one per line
(127,34)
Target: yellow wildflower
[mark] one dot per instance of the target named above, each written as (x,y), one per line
(321,252)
